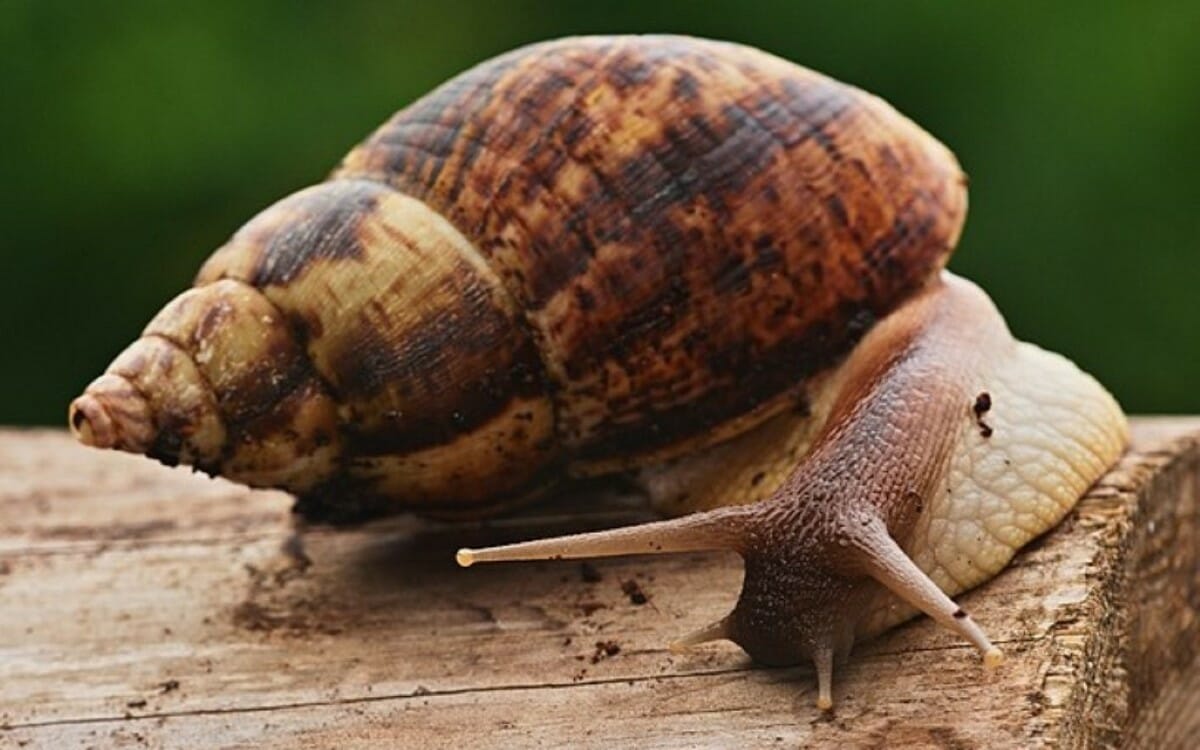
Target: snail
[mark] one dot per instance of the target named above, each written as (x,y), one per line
(681,260)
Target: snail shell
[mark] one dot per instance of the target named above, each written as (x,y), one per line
(648,253)
(581,256)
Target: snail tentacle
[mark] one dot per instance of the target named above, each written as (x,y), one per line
(884,561)
(720,529)
(716,631)
(823,660)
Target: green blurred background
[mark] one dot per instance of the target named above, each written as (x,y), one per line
(138,135)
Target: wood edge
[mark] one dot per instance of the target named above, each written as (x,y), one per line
(1109,692)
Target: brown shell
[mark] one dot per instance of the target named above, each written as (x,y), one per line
(638,246)
(692,228)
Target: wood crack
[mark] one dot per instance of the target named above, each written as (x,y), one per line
(418,693)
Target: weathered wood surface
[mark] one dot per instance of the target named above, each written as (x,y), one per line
(143,606)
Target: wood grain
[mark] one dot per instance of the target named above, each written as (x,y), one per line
(144,606)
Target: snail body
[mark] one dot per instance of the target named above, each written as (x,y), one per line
(663,255)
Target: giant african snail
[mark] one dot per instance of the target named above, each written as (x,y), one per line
(683,258)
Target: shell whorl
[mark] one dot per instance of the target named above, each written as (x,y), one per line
(440,393)
(692,228)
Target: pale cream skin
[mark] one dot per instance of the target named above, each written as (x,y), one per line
(932,454)
(1055,431)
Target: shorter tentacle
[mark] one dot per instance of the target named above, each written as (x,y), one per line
(823,660)
(716,631)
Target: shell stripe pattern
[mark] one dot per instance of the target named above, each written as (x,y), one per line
(438,387)
(691,227)
(638,246)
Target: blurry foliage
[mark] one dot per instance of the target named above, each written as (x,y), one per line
(138,135)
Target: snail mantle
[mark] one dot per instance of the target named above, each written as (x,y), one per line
(140,604)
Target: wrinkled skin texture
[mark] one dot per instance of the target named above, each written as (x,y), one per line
(933,462)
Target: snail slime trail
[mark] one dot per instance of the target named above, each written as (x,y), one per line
(678,258)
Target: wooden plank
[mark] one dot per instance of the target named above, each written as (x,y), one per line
(141,605)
